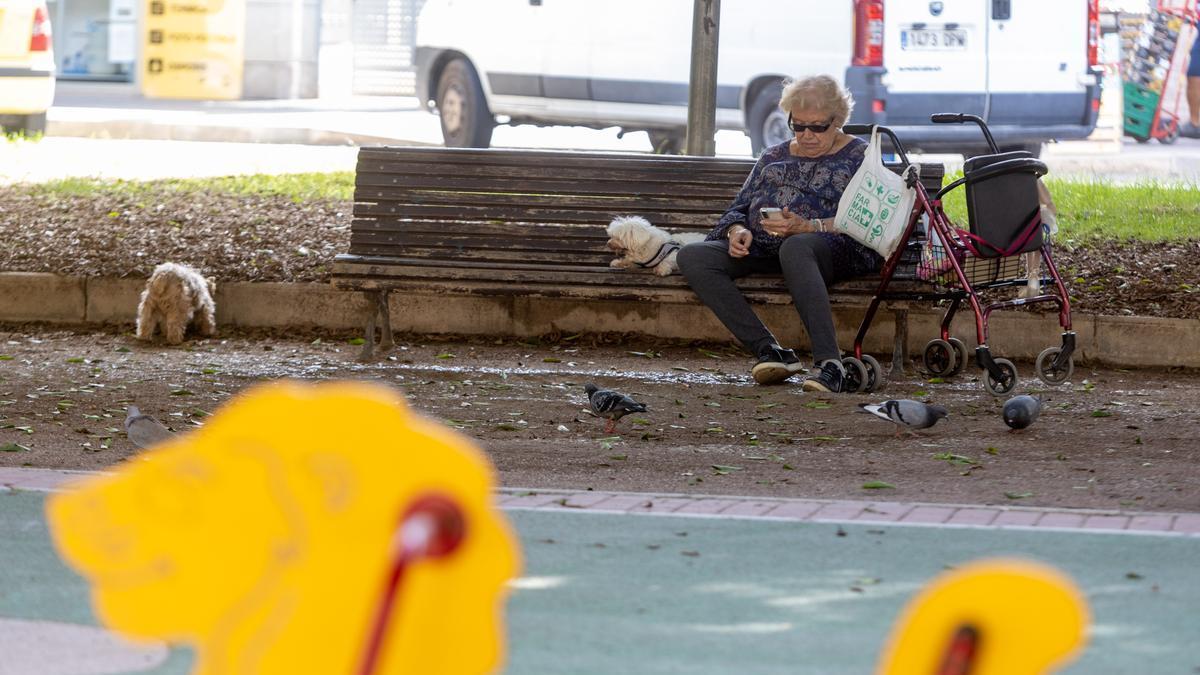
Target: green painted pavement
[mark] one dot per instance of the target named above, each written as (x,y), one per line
(605,593)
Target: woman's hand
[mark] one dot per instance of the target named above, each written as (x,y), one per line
(739,241)
(786,224)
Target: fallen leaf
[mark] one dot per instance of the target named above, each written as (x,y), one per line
(1018,495)
(13,447)
(877,485)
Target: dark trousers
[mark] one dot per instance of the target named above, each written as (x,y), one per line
(807,267)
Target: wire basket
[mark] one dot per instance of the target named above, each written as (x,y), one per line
(934,265)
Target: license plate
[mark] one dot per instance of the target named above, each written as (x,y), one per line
(933,40)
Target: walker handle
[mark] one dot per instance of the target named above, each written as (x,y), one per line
(959,118)
(946,118)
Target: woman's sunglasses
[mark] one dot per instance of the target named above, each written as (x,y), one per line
(815,128)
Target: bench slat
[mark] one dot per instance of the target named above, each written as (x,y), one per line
(618,189)
(542,158)
(502,213)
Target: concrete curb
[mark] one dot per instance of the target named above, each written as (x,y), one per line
(1126,341)
(144,130)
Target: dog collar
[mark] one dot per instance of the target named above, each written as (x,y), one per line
(663,251)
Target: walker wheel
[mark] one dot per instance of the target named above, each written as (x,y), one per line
(874,374)
(939,358)
(960,350)
(1007,381)
(856,375)
(1044,367)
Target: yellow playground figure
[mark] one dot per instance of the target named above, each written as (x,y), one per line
(304,529)
(991,617)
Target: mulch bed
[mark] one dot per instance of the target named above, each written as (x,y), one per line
(272,238)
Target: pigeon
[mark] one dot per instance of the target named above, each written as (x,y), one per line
(611,405)
(906,413)
(143,430)
(1021,411)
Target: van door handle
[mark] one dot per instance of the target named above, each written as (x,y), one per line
(535,3)
(1001,10)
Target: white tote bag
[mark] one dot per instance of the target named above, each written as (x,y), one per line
(875,207)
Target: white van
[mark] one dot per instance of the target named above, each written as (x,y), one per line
(1028,67)
(26,66)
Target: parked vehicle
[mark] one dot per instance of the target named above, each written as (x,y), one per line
(26,66)
(1028,68)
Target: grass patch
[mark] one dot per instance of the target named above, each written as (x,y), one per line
(1092,210)
(300,187)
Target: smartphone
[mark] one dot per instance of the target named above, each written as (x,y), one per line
(768,212)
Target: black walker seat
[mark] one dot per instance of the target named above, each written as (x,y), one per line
(1002,202)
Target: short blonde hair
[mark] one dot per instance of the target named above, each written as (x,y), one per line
(819,92)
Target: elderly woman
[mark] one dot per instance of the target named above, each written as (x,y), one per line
(803,178)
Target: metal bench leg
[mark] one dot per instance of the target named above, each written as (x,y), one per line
(368,349)
(385,339)
(899,345)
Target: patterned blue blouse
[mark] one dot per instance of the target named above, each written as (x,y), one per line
(810,188)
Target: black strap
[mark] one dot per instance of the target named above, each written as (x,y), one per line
(664,251)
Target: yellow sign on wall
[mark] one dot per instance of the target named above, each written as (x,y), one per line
(193,49)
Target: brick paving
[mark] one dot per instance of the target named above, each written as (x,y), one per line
(799,510)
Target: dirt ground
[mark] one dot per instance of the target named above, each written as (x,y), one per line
(1109,439)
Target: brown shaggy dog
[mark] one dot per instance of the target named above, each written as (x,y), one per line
(176,296)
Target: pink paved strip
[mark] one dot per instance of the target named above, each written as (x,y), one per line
(585,499)
(929,514)
(662,505)
(812,510)
(1151,523)
(846,511)
(522,500)
(1106,522)
(707,506)
(1188,523)
(794,510)
(749,508)
(885,512)
(978,517)
(1059,519)
(840,511)
(39,479)
(1017,519)
(624,503)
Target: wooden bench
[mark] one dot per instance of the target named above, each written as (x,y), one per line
(532,223)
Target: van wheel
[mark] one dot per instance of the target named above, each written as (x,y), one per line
(767,122)
(28,125)
(466,120)
(666,142)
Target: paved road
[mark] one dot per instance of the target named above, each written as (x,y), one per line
(90,122)
(665,594)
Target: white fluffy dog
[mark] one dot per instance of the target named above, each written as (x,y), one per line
(176,296)
(640,244)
